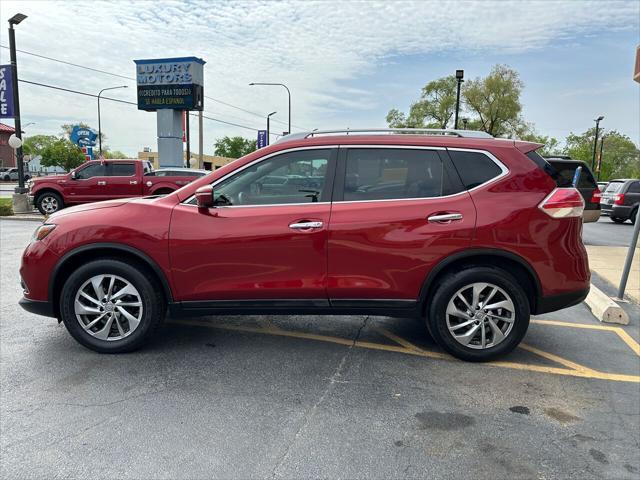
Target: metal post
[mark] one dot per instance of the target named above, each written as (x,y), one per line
(99,127)
(627,263)
(268,129)
(595,142)
(459,78)
(188,141)
(600,159)
(288,93)
(200,141)
(16,105)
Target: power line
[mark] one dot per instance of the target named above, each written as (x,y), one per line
(133,80)
(130,103)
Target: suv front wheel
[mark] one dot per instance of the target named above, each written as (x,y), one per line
(479,313)
(110,306)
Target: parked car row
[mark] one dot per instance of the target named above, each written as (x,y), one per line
(469,233)
(11,174)
(99,180)
(621,200)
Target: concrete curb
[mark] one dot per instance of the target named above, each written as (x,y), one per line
(604,308)
(23,218)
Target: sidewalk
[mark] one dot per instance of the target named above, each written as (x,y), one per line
(608,262)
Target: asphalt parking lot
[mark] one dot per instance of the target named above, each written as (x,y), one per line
(333,397)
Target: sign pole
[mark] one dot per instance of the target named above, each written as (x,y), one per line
(200,141)
(188,140)
(16,108)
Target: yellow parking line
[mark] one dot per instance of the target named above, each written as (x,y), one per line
(555,358)
(624,336)
(581,371)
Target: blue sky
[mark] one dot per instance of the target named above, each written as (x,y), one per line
(347,63)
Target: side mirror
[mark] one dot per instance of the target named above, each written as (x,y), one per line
(204,196)
(73,175)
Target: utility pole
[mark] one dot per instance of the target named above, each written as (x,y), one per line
(288,93)
(460,79)
(99,121)
(200,141)
(595,141)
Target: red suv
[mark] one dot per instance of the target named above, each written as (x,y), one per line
(470,233)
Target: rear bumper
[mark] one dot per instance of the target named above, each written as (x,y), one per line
(39,307)
(589,216)
(619,211)
(552,303)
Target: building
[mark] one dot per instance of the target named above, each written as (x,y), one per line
(209,162)
(7,154)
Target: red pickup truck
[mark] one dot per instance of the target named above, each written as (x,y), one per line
(98,180)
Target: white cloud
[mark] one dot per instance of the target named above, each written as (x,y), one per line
(314,47)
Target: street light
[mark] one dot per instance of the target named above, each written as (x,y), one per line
(595,142)
(99,123)
(15,20)
(268,118)
(460,79)
(288,93)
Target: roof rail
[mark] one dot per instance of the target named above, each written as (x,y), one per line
(387,131)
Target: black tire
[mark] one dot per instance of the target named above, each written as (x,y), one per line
(447,289)
(633,216)
(617,219)
(153,303)
(6,178)
(45,200)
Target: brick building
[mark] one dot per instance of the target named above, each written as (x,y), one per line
(7,154)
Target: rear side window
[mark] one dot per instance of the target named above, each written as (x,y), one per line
(386,173)
(121,169)
(474,168)
(634,188)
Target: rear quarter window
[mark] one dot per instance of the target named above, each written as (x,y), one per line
(474,168)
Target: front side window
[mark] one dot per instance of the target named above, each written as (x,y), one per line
(386,173)
(93,170)
(121,169)
(293,177)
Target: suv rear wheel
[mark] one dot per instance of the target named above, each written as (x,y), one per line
(479,314)
(110,306)
(49,203)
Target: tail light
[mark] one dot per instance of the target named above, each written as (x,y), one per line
(619,199)
(563,203)
(596,195)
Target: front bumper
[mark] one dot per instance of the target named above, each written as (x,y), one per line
(39,307)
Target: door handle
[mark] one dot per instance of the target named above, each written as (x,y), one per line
(133,182)
(102,183)
(444,217)
(305,225)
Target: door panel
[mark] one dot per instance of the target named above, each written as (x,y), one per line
(88,185)
(265,239)
(122,181)
(381,247)
(239,253)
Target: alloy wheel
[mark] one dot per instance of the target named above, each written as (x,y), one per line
(108,307)
(480,315)
(49,204)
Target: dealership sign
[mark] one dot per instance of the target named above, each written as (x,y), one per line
(6,92)
(174,83)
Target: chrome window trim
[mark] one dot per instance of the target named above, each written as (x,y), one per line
(502,166)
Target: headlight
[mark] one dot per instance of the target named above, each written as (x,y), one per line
(42,231)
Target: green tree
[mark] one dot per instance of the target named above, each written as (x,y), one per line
(234,147)
(495,100)
(62,153)
(526,131)
(34,145)
(112,153)
(620,156)
(434,109)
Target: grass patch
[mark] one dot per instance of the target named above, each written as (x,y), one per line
(6,207)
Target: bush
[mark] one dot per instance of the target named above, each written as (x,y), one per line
(6,207)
